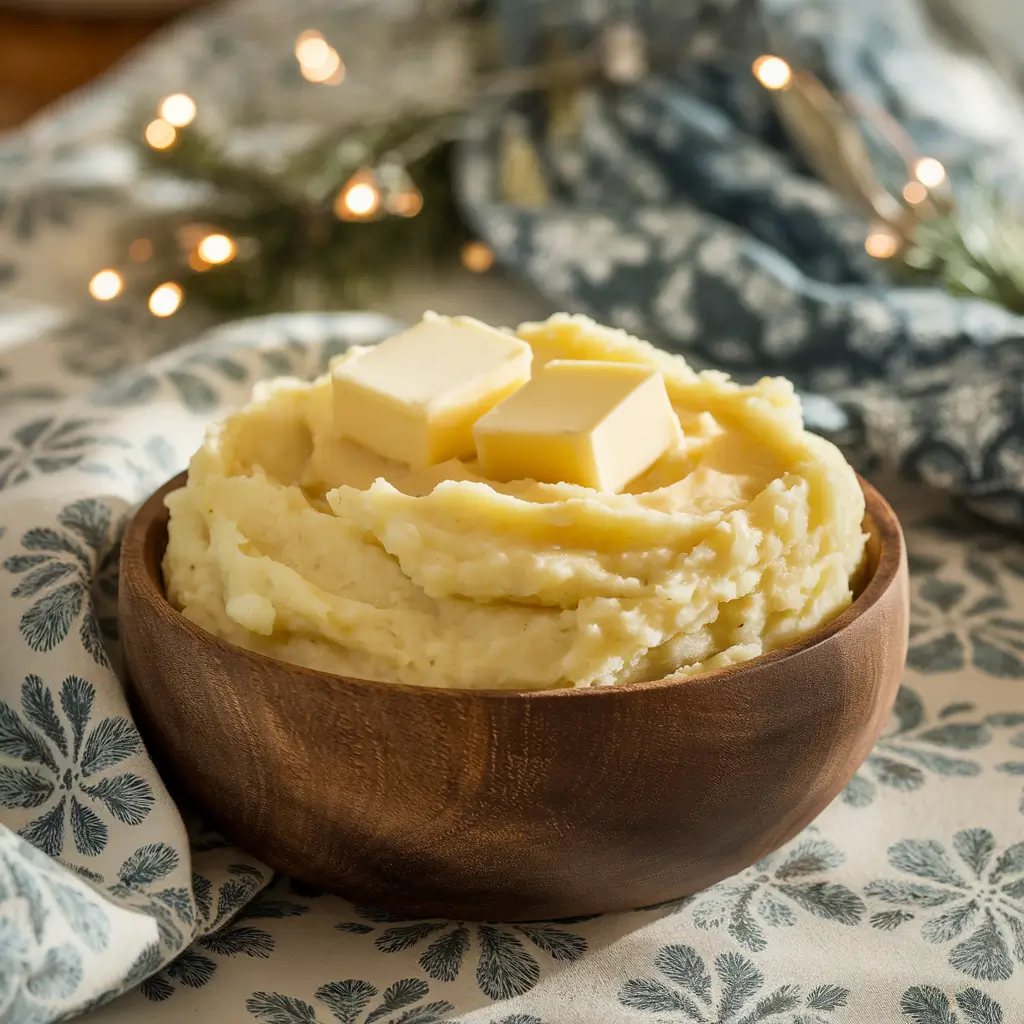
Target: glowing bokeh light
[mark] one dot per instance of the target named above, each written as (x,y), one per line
(772,72)
(359,199)
(165,300)
(329,72)
(914,192)
(216,249)
(929,172)
(312,52)
(405,204)
(304,37)
(881,244)
(106,285)
(477,257)
(160,133)
(178,110)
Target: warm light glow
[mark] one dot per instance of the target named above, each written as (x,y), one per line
(141,250)
(914,192)
(881,244)
(160,133)
(330,71)
(197,263)
(338,77)
(477,257)
(405,204)
(106,285)
(216,249)
(178,110)
(304,37)
(312,51)
(772,72)
(358,199)
(929,172)
(165,300)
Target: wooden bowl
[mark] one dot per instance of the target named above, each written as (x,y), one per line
(491,805)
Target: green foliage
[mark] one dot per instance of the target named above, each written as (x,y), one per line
(293,252)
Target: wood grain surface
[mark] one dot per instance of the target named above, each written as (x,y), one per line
(491,805)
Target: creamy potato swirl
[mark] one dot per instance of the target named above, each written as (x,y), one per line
(296,543)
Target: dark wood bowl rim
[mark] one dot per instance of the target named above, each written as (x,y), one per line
(890,560)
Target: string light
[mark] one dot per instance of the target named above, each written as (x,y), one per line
(160,133)
(141,250)
(914,192)
(178,109)
(359,199)
(881,244)
(772,72)
(311,50)
(929,172)
(216,249)
(165,300)
(330,71)
(318,60)
(405,204)
(106,285)
(477,257)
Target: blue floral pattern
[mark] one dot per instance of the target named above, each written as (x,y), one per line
(59,567)
(207,908)
(926,1004)
(505,966)
(347,1001)
(197,966)
(36,973)
(47,445)
(685,992)
(975,895)
(674,212)
(918,747)
(140,883)
(967,620)
(65,764)
(1013,767)
(774,892)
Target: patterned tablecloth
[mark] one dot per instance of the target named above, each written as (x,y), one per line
(902,904)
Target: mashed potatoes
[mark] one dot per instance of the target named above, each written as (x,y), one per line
(298,544)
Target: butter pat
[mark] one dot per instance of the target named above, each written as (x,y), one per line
(415,397)
(596,424)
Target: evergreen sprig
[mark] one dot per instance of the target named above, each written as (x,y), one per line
(975,248)
(965,236)
(293,251)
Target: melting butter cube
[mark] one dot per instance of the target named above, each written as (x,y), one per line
(596,424)
(415,397)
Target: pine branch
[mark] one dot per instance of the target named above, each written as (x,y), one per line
(968,240)
(292,250)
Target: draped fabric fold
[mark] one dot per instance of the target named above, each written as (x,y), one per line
(674,208)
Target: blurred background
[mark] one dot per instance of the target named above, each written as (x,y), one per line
(825,189)
(48,49)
